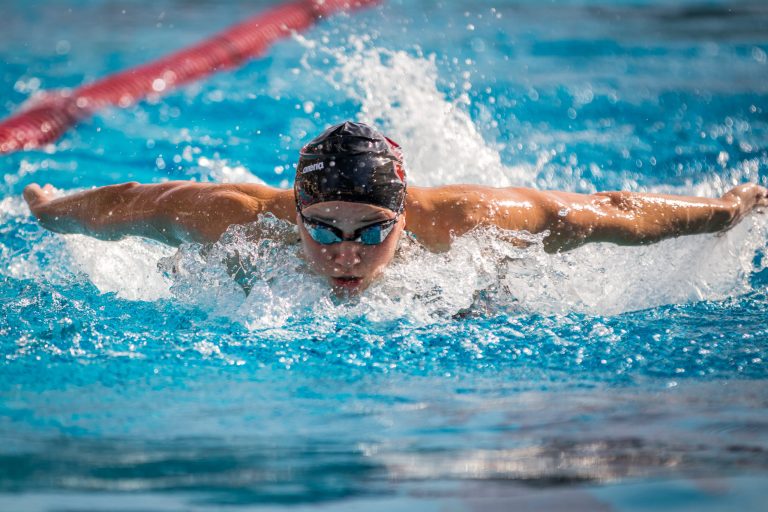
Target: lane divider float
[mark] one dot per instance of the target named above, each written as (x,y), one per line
(53,113)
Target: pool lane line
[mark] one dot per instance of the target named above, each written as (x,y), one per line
(52,113)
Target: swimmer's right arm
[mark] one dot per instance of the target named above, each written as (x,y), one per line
(173,212)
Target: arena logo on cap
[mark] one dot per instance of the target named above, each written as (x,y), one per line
(319,166)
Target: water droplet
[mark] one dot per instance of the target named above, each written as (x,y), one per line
(63,47)
(759,55)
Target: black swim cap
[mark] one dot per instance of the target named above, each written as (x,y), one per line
(351,162)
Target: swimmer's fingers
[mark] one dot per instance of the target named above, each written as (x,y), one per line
(36,196)
(32,194)
(762,197)
(747,197)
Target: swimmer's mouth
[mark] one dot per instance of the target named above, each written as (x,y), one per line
(347,282)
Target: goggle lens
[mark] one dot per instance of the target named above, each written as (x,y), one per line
(324,234)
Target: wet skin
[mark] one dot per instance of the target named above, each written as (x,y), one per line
(350,267)
(177,212)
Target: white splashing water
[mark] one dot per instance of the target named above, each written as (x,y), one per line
(261,257)
(480,271)
(127,267)
(483,272)
(607,279)
(219,170)
(399,93)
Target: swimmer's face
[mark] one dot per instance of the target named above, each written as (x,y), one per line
(349,266)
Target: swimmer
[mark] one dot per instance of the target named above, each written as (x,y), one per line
(352,205)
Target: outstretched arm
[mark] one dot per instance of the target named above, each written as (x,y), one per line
(627,218)
(172,212)
(572,220)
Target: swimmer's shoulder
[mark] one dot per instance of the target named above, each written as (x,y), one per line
(265,199)
(436,215)
(202,212)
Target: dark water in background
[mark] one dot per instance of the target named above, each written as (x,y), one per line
(605,379)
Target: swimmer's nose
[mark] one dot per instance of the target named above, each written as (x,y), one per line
(347,254)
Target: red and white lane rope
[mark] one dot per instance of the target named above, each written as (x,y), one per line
(48,118)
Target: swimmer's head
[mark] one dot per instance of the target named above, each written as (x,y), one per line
(350,196)
(354,163)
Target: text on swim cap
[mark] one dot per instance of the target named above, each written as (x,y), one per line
(314,167)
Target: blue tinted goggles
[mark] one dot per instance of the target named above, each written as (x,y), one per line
(372,234)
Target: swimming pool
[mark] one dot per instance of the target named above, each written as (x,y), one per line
(489,377)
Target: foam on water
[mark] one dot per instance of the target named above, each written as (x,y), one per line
(127,267)
(484,272)
(399,92)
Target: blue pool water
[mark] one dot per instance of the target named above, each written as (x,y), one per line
(487,378)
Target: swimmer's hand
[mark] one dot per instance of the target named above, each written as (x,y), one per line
(93,212)
(39,201)
(37,196)
(746,198)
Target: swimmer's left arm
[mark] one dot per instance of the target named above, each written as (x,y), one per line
(627,218)
(437,215)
